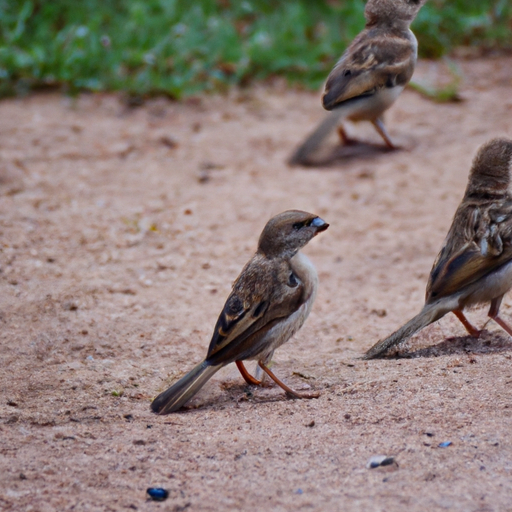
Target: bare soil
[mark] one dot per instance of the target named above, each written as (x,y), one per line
(121,232)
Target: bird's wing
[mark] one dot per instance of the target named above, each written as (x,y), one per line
(263,294)
(479,242)
(371,62)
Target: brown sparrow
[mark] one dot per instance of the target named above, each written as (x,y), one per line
(269,302)
(371,74)
(475,263)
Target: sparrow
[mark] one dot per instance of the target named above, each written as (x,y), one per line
(371,73)
(475,263)
(269,302)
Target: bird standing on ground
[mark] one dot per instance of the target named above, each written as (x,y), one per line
(475,263)
(370,75)
(269,302)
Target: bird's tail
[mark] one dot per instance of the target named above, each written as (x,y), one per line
(183,390)
(315,139)
(430,313)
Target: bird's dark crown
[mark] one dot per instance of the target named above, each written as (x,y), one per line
(391,11)
(288,232)
(491,170)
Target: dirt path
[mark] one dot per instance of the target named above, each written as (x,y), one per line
(121,231)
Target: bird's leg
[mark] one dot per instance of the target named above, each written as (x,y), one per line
(493,313)
(473,331)
(246,375)
(344,138)
(260,374)
(289,390)
(381,130)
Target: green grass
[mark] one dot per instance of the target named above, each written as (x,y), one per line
(180,48)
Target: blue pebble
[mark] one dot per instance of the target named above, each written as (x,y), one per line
(445,444)
(299,491)
(157,493)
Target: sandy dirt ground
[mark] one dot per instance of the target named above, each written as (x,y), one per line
(121,231)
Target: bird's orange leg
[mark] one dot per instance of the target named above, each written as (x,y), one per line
(473,331)
(246,375)
(493,313)
(381,130)
(344,138)
(289,390)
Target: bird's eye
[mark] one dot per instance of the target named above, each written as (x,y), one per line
(390,82)
(292,281)
(298,225)
(347,72)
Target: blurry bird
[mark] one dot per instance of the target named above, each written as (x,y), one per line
(370,75)
(269,302)
(475,263)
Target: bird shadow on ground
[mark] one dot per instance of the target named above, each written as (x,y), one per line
(240,393)
(343,154)
(267,393)
(488,343)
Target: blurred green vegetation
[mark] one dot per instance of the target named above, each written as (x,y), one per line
(179,48)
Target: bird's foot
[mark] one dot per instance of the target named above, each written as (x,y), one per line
(289,391)
(345,140)
(247,376)
(502,324)
(473,331)
(297,394)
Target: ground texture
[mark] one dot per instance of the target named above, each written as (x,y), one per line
(121,232)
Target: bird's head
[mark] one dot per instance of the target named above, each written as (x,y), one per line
(491,172)
(391,11)
(286,233)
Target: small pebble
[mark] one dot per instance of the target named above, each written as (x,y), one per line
(170,142)
(379,460)
(445,444)
(203,176)
(70,306)
(299,491)
(157,493)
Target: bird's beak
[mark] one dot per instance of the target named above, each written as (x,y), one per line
(319,224)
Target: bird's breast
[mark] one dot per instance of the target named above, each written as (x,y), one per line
(371,107)
(306,273)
